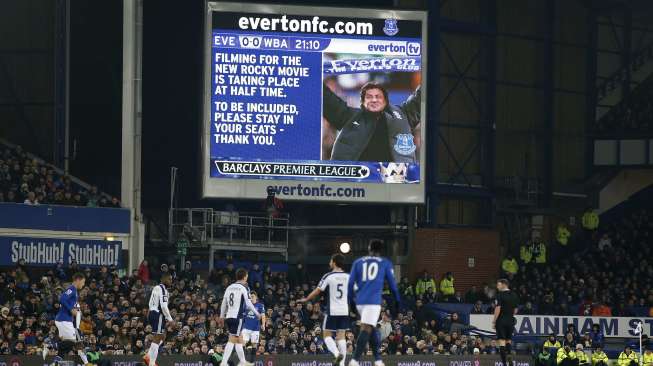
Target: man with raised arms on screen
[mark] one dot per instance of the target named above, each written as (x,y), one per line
(377,131)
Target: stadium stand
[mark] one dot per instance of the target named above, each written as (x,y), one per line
(25,178)
(529,116)
(114,308)
(599,277)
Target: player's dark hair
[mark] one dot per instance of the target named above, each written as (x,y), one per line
(78,276)
(240,274)
(376,246)
(166,276)
(503,281)
(253,293)
(339,260)
(372,85)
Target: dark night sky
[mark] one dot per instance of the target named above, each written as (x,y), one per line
(172,64)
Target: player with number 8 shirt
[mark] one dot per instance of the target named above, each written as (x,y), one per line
(235,300)
(365,288)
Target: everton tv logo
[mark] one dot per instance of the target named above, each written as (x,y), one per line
(405,144)
(390,27)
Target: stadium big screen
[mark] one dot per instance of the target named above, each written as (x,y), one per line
(317,103)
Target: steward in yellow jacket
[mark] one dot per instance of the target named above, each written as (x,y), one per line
(424,283)
(590,220)
(539,252)
(562,234)
(525,253)
(647,358)
(509,265)
(627,358)
(581,356)
(552,342)
(599,358)
(446,285)
(566,357)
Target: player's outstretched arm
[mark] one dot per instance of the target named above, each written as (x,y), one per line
(334,109)
(311,296)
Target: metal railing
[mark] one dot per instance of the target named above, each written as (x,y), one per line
(205,227)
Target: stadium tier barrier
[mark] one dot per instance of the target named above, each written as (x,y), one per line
(65,218)
(532,330)
(464,310)
(543,325)
(285,360)
(44,235)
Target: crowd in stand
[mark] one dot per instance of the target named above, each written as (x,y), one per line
(607,274)
(598,276)
(114,311)
(30,181)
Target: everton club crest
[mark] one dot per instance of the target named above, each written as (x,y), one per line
(390,28)
(405,144)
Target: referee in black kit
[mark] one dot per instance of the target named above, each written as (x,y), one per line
(504,319)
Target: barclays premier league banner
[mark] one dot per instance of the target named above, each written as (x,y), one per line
(48,252)
(314,103)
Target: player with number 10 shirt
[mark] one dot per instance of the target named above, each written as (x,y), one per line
(366,279)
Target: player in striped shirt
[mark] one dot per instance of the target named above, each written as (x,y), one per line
(158,311)
(235,301)
(336,316)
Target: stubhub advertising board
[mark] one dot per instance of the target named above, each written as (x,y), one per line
(47,252)
(315,103)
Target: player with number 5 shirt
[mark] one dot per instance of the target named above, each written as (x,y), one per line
(336,317)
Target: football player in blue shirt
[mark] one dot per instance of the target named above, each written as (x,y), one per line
(67,320)
(365,288)
(252,327)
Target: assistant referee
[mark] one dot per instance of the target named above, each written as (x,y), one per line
(504,319)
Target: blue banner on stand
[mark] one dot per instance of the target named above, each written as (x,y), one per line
(50,251)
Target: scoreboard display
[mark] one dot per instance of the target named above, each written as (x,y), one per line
(315,103)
